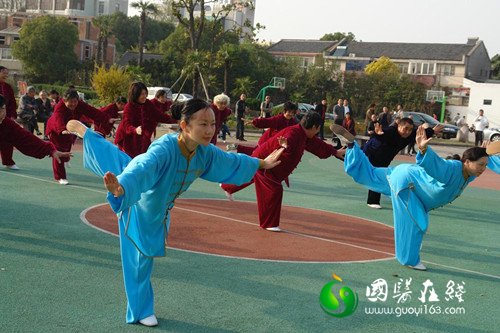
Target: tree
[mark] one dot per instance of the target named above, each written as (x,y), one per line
(383,66)
(47,64)
(145,8)
(495,67)
(338,36)
(104,24)
(110,83)
(243,85)
(184,11)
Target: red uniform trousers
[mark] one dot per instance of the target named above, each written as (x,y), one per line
(63,142)
(6,152)
(269,194)
(247,150)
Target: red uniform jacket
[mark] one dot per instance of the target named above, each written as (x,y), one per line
(112,111)
(57,122)
(163,107)
(274,125)
(297,143)
(24,141)
(10,100)
(134,115)
(220,117)
(349,125)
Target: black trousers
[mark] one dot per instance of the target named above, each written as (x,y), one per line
(374,197)
(479,138)
(240,129)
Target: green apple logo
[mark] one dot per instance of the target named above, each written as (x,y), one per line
(331,305)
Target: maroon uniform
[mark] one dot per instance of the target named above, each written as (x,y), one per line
(220,117)
(6,149)
(163,107)
(134,115)
(105,128)
(57,124)
(273,125)
(268,186)
(24,141)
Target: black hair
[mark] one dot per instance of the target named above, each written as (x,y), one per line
(289,106)
(406,120)
(453,157)
(71,86)
(2,68)
(311,119)
(54,92)
(135,91)
(121,99)
(70,94)
(160,93)
(2,99)
(473,154)
(184,111)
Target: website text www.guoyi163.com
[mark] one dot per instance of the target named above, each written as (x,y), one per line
(424,309)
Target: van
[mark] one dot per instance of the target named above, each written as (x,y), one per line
(152,92)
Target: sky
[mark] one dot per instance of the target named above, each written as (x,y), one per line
(418,21)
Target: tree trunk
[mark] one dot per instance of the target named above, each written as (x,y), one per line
(226,74)
(141,36)
(98,55)
(196,83)
(105,50)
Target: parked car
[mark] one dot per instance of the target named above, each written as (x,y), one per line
(182,97)
(492,134)
(448,132)
(152,92)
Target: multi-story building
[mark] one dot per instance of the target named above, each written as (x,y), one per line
(65,7)
(78,12)
(307,52)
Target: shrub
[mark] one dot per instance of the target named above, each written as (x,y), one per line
(110,83)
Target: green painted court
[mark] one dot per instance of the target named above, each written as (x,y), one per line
(57,274)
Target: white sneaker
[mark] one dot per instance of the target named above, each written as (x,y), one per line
(231,146)
(344,135)
(149,321)
(12,167)
(275,229)
(419,267)
(229,196)
(376,206)
(63,181)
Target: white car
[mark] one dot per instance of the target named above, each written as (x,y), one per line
(492,134)
(152,92)
(182,97)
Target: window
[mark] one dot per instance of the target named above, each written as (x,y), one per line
(403,68)
(87,52)
(2,40)
(16,38)
(6,54)
(414,68)
(77,4)
(117,7)
(448,70)
(101,8)
(306,61)
(487,102)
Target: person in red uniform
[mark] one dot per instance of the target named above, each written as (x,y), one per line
(24,141)
(273,124)
(113,110)
(6,149)
(295,139)
(163,104)
(222,112)
(140,118)
(349,124)
(70,107)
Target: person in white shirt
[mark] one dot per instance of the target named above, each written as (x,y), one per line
(346,108)
(480,123)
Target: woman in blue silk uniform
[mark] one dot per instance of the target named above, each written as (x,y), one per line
(416,189)
(493,149)
(142,190)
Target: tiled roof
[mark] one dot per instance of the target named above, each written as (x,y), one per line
(408,50)
(301,46)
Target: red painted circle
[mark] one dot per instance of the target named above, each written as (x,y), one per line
(232,229)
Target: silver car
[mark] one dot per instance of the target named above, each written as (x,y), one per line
(492,134)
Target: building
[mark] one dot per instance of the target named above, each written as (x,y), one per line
(65,7)
(86,48)
(307,52)
(435,65)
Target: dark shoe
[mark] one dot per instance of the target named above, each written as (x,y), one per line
(343,134)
